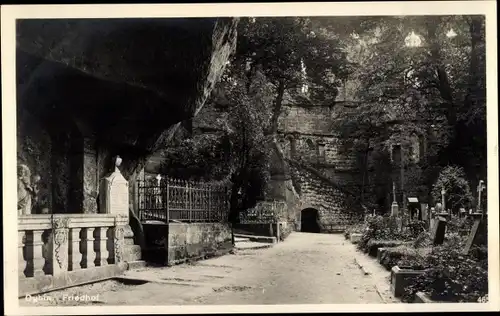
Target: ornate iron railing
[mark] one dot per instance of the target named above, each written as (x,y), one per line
(171,199)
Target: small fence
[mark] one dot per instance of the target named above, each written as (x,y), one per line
(263,213)
(170,199)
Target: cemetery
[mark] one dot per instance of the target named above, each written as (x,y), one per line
(253,129)
(438,257)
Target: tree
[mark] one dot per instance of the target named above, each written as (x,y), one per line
(427,75)
(457,191)
(291,52)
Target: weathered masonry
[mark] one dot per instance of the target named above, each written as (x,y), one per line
(87,92)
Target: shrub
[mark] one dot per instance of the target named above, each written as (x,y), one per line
(373,245)
(461,226)
(458,193)
(450,276)
(403,256)
(380,228)
(415,228)
(422,240)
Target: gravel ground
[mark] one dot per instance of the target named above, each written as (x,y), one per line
(305,269)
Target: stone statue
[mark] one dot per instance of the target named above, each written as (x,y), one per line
(26,192)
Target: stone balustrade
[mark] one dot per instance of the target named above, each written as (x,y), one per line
(50,245)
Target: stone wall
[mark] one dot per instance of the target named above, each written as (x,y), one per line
(336,209)
(177,242)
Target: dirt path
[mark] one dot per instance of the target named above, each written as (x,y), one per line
(305,269)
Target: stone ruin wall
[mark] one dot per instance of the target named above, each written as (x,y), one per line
(305,128)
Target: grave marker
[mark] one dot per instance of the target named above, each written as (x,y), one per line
(438,231)
(476,234)
(480,188)
(114,197)
(394,206)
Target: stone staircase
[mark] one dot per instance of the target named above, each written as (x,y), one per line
(338,208)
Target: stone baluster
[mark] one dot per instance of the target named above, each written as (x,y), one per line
(60,246)
(88,252)
(74,249)
(38,258)
(100,246)
(21,249)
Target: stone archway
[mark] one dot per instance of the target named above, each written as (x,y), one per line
(309,220)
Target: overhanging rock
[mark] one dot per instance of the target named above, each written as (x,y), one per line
(89,89)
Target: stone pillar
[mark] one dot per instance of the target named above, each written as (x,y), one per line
(88,252)
(21,249)
(60,246)
(38,258)
(100,246)
(74,249)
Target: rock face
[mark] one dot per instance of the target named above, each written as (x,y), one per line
(89,90)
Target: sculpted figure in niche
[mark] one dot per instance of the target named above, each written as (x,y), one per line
(26,192)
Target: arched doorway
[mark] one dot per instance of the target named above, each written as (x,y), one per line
(309,222)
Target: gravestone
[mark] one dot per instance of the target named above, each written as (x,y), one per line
(114,200)
(438,230)
(114,193)
(424,210)
(476,235)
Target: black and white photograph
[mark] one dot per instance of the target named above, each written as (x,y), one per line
(241,157)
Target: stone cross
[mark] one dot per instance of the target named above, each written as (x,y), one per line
(480,188)
(158,178)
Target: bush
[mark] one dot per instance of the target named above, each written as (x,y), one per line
(461,226)
(458,193)
(379,228)
(415,228)
(373,245)
(403,256)
(450,276)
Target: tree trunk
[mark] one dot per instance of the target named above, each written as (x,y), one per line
(444,86)
(277,107)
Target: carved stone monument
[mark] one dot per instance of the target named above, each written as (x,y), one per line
(114,193)
(26,191)
(114,199)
